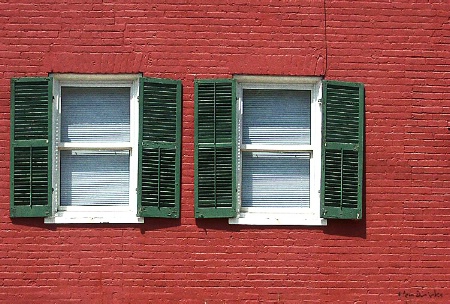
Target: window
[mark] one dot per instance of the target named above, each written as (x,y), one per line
(264,157)
(278,152)
(95,148)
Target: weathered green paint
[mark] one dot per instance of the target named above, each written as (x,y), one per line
(215,148)
(31,146)
(159,148)
(342,150)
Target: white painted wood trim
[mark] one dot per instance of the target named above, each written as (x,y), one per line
(276,79)
(95,145)
(95,78)
(90,217)
(278,219)
(276,148)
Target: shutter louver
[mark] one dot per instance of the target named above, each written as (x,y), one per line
(159,148)
(215,149)
(31,118)
(342,150)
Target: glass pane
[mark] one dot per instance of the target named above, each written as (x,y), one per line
(95,178)
(95,114)
(277,117)
(275,179)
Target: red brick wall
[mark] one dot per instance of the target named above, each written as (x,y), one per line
(400,251)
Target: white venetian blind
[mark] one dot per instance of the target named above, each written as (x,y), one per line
(93,114)
(276,116)
(94,178)
(275,179)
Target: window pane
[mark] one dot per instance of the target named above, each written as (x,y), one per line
(277,117)
(95,114)
(95,178)
(275,179)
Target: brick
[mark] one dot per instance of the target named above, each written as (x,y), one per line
(398,49)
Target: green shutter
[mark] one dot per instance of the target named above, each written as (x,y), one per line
(342,150)
(31,158)
(159,148)
(215,148)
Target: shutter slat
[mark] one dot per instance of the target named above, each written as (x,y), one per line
(31,108)
(159,148)
(342,119)
(342,150)
(159,174)
(215,180)
(31,112)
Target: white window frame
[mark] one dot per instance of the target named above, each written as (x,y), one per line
(95,214)
(283,216)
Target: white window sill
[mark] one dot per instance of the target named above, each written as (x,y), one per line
(269,219)
(94,218)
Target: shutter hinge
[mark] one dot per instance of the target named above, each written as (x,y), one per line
(320,100)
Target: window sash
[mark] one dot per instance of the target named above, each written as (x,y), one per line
(95,114)
(94,178)
(276,116)
(313,148)
(276,179)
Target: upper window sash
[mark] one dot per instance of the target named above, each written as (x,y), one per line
(314,88)
(82,80)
